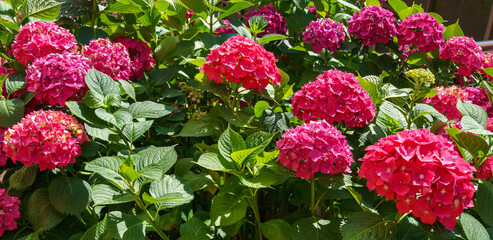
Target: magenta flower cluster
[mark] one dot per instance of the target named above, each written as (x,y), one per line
(227,28)
(3,158)
(241,60)
(9,212)
(58,77)
(477,96)
(38,39)
(446,100)
(421,30)
(314,147)
(372,24)
(423,172)
(335,96)
(110,58)
(324,34)
(466,52)
(46,138)
(276,23)
(140,57)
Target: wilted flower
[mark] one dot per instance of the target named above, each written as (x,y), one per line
(110,58)
(335,96)
(420,30)
(9,211)
(314,147)
(373,24)
(276,23)
(140,56)
(324,34)
(421,75)
(466,52)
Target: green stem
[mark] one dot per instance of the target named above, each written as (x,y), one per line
(93,17)
(254,204)
(312,196)
(413,102)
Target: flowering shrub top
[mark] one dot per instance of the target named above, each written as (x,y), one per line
(421,30)
(110,58)
(324,34)
(9,211)
(423,172)
(46,138)
(58,77)
(314,147)
(446,100)
(463,50)
(276,22)
(335,96)
(227,28)
(373,24)
(140,56)
(39,39)
(241,60)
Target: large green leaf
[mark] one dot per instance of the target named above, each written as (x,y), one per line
(421,109)
(104,194)
(398,5)
(195,229)
(69,195)
(233,8)
(276,121)
(472,143)
(371,88)
(97,231)
(197,6)
(42,9)
(276,229)
(474,111)
(409,229)
(316,229)
(123,226)
(23,178)
(124,6)
(11,112)
(165,48)
(84,112)
(227,209)
(453,30)
(212,161)
(135,130)
(155,162)
(229,142)
(470,125)
(368,225)
(484,201)
(103,89)
(171,192)
(14,83)
(108,167)
(40,212)
(473,229)
(148,109)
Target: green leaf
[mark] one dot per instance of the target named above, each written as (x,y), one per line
(197,6)
(129,173)
(212,161)
(40,211)
(393,111)
(83,112)
(453,30)
(265,179)
(129,89)
(230,142)
(103,90)
(123,226)
(409,229)
(42,9)
(104,194)
(99,133)
(165,48)
(484,201)
(23,178)
(349,5)
(240,156)
(276,121)
(11,112)
(470,125)
(398,5)
(417,58)
(14,83)
(260,106)
(372,3)
(195,229)
(367,225)
(106,116)
(233,8)
(148,109)
(171,191)
(155,162)
(135,130)
(472,228)
(108,167)
(422,109)
(474,111)
(124,6)
(316,229)
(69,195)
(227,209)
(371,88)
(276,229)
(97,231)
(197,128)
(472,143)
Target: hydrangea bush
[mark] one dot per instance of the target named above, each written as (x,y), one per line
(242,120)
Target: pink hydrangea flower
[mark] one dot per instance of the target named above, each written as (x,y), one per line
(313,10)
(420,30)
(314,147)
(39,39)
(227,28)
(446,100)
(46,138)
(373,24)
(9,212)
(335,96)
(140,56)
(110,58)
(466,52)
(478,96)
(3,159)
(423,172)
(241,60)
(58,77)
(276,23)
(324,34)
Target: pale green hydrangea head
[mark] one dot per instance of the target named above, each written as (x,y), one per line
(421,75)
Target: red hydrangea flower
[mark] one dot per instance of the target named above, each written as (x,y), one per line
(466,52)
(39,39)
(276,23)
(446,100)
(140,56)
(57,78)
(9,212)
(241,60)
(335,96)
(324,34)
(485,170)
(3,159)
(227,28)
(423,172)
(46,138)
(110,58)
(373,24)
(478,96)
(313,10)
(314,147)
(422,31)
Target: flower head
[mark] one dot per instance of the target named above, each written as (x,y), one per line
(466,52)
(39,39)
(446,100)
(324,34)
(58,77)
(420,30)
(423,172)
(46,138)
(335,96)
(140,56)
(314,147)
(241,60)
(9,211)
(276,23)
(227,28)
(110,58)
(478,96)
(421,75)
(373,24)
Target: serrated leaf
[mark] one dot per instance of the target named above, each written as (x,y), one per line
(276,229)
(69,195)
(409,229)
(230,142)
(393,111)
(123,226)
(212,161)
(129,173)
(484,201)
(227,209)
(83,112)
(160,158)
(104,194)
(99,133)
(367,225)
(453,30)
(314,228)
(42,9)
(108,167)
(470,125)
(473,229)
(421,109)
(102,87)
(195,229)
(40,212)
(135,130)
(474,111)
(276,121)
(171,191)
(11,112)
(371,88)
(240,156)
(472,143)
(129,89)
(265,179)
(106,116)
(14,83)
(23,178)
(398,5)
(124,6)
(165,48)
(148,109)
(96,231)
(260,106)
